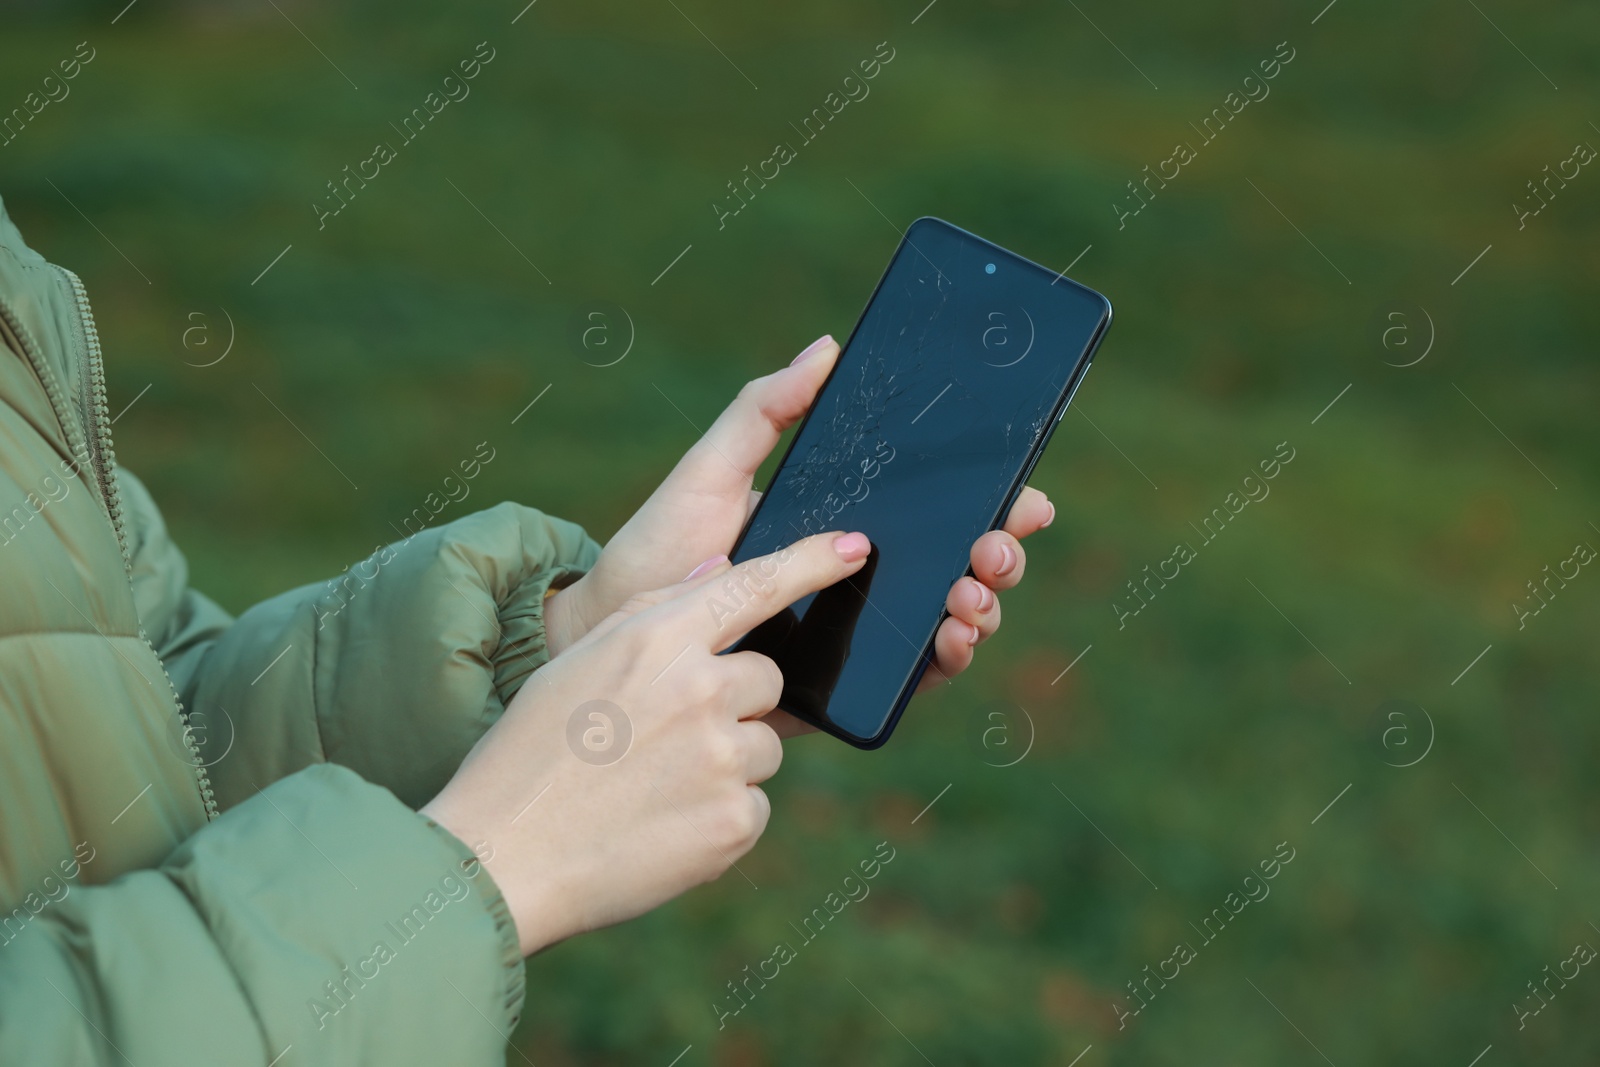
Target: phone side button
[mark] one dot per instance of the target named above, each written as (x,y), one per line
(1073,395)
(1032,463)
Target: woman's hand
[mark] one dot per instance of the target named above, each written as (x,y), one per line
(584,830)
(698,511)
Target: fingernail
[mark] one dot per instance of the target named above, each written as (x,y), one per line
(707,565)
(813,348)
(985,598)
(975,635)
(1008,560)
(852,546)
(1052,517)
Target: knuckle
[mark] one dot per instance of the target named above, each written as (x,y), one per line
(706,688)
(740,821)
(747,825)
(729,681)
(760,581)
(770,687)
(772,745)
(722,758)
(728,826)
(756,811)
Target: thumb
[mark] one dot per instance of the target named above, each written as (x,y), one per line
(746,432)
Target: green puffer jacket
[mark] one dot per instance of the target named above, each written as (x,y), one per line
(318,919)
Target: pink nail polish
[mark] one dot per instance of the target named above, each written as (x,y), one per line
(985,598)
(975,634)
(813,348)
(1008,560)
(852,546)
(706,566)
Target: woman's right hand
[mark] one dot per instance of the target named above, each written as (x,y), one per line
(587,821)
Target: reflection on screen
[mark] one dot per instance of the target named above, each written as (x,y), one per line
(953,374)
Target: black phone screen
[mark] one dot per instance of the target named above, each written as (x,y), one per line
(921,438)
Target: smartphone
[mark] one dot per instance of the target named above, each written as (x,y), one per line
(940,405)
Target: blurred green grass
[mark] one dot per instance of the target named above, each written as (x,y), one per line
(1197,738)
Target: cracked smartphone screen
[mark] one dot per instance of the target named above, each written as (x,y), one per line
(939,405)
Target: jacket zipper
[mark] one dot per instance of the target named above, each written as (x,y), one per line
(102,459)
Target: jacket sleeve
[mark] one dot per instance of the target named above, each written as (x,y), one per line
(394,668)
(320,922)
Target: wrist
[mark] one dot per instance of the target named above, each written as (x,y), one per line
(562,621)
(534,909)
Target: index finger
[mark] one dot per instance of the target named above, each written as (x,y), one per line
(728,606)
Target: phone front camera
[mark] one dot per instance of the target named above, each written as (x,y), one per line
(988,268)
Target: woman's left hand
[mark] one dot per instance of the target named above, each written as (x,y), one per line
(697,513)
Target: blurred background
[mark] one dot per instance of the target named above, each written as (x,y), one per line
(1351,674)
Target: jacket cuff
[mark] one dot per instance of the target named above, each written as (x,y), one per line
(524,640)
(346,921)
(396,668)
(505,926)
